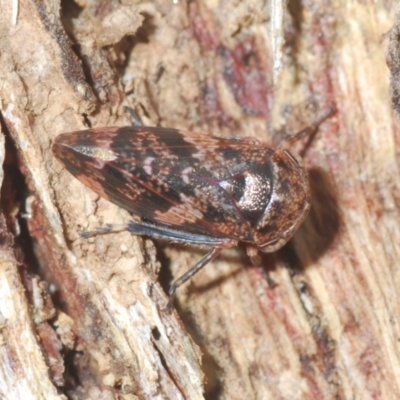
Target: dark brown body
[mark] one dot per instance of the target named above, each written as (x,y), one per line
(212,190)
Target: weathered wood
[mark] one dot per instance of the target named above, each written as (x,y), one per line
(327,328)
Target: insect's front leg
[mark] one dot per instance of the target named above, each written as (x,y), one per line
(254,254)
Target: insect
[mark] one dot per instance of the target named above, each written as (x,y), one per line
(192,188)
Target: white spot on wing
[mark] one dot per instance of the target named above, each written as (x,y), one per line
(224,184)
(96,152)
(182,212)
(147,165)
(253,190)
(185,174)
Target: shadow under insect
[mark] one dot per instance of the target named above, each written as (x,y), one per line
(319,230)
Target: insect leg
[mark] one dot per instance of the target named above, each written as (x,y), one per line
(134,117)
(187,275)
(160,231)
(254,255)
(101,230)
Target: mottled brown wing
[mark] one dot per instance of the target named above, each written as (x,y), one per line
(191,182)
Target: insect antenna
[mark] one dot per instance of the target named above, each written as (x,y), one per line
(308,131)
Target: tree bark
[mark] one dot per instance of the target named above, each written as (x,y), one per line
(80,318)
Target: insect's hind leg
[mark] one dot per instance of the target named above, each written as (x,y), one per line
(211,255)
(102,230)
(134,116)
(160,231)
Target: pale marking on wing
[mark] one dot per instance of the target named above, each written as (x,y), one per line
(186,174)
(184,211)
(253,188)
(96,152)
(147,165)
